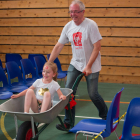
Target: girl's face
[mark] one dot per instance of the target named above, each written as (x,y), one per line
(47,73)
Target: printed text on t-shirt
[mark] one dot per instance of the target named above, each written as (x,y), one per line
(77,37)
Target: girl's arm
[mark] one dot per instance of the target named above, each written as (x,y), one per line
(22,93)
(60,94)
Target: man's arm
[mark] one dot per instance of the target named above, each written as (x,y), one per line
(55,52)
(95,52)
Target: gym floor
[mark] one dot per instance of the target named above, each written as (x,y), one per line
(84,108)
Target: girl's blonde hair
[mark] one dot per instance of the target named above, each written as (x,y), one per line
(53,66)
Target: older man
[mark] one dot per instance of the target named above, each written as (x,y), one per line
(85,39)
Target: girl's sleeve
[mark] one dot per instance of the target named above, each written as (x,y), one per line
(35,83)
(57,86)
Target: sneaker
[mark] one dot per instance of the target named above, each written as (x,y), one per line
(60,127)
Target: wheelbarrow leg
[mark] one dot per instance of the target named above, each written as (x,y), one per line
(16,125)
(33,128)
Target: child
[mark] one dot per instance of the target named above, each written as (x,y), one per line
(41,93)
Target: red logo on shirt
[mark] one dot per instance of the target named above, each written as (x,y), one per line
(77,38)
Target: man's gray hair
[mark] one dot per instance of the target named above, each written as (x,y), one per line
(80,3)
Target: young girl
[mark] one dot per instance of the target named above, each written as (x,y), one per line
(41,93)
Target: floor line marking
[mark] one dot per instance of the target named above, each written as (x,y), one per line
(85,117)
(105,101)
(3,127)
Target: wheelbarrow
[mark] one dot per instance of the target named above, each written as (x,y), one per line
(28,129)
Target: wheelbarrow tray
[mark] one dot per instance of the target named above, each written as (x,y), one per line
(15,107)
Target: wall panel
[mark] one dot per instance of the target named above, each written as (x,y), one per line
(34,26)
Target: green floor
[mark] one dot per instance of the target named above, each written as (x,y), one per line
(83,109)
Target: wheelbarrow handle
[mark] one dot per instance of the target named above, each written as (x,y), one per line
(77,79)
(68,105)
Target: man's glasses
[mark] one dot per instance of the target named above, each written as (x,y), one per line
(75,12)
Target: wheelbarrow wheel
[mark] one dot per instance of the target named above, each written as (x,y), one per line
(25,131)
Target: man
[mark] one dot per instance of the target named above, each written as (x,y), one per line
(85,39)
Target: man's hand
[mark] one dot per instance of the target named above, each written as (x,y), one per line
(87,71)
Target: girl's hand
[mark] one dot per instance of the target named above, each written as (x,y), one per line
(60,94)
(63,97)
(14,96)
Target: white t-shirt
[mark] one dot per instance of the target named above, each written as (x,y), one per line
(82,38)
(53,86)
